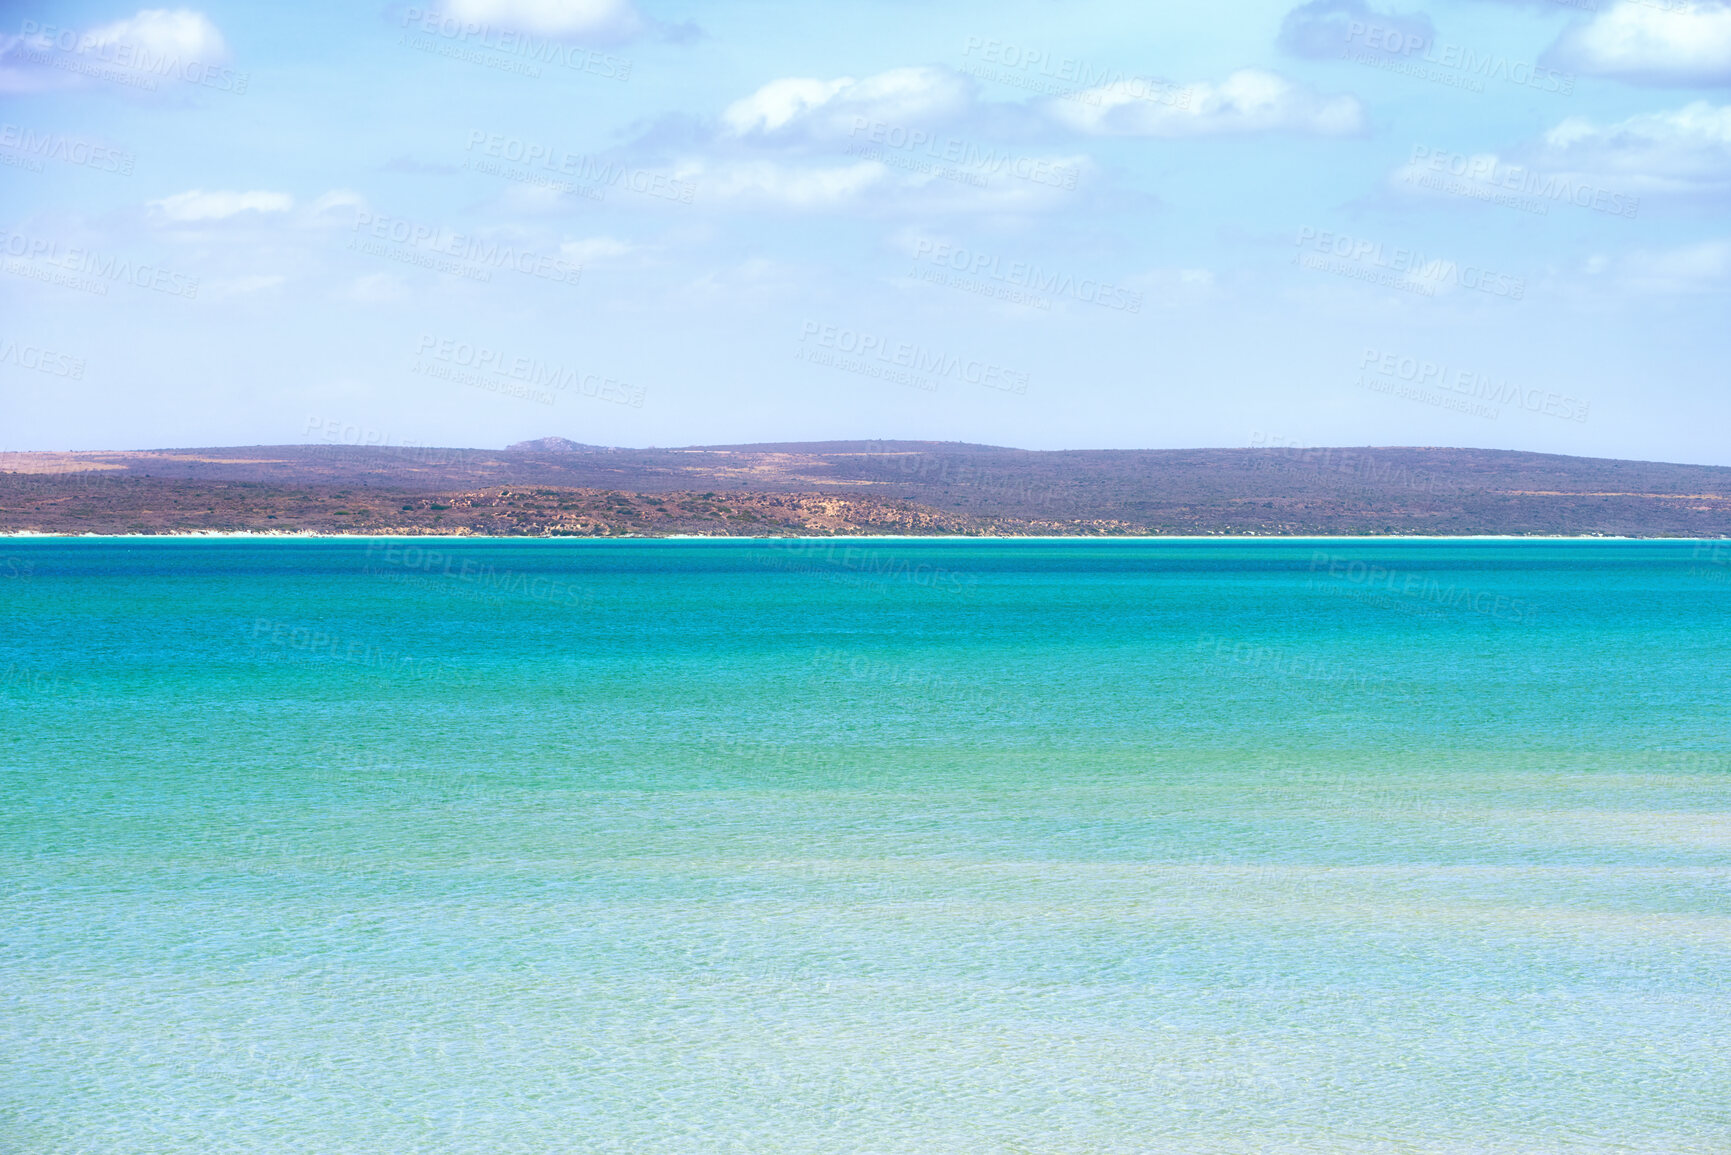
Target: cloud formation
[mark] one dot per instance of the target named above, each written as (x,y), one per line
(1649,44)
(1249,100)
(607,20)
(1610,168)
(921,140)
(179,32)
(765,183)
(198,205)
(1685,150)
(134,54)
(1323,29)
(826,109)
(914,139)
(1702,267)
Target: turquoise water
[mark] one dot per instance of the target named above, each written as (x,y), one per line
(877,846)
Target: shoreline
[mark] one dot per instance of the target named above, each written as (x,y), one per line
(31,535)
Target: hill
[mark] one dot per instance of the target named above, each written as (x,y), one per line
(555,486)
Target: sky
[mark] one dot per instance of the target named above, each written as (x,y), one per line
(1085,224)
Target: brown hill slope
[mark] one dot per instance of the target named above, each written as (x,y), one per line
(557,486)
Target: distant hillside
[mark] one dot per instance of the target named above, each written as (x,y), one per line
(556,486)
(555,445)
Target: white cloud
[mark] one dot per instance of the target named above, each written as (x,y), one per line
(798,187)
(890,183)
(834,108)
(1249,100)
(198,205)
(918,140)
(1681,150)
(777,103)
(1703,267)
(1322,29)
(137,54)
(908,140)
(341,202)
(1610,168)
(1647,43)
(909,93)
(162,32)
(572,19)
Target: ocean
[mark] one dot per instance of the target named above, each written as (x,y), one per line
(870,845)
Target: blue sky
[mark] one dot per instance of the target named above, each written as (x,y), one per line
(1077,225)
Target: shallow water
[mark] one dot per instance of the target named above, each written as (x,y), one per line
(886,846)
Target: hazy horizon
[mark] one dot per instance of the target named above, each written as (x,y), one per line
(342,444)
